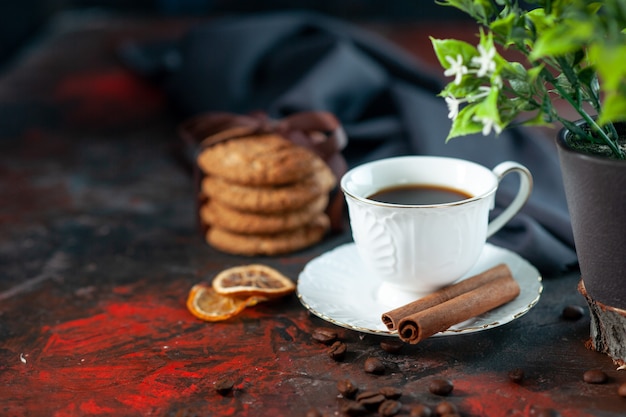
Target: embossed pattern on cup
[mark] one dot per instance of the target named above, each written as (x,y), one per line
(438,250)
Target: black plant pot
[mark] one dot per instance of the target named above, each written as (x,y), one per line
(595,189)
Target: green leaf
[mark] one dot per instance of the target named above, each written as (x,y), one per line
(609,61)
(481,10)
(614,109)
(513,70)
(488,108)
(534,72)
(452,48)
(561,39)
(504,26)
(564,83)
(587,75)
(519,105)
(468,87)
(463,125)
(537,120)
(539,21)
(521,87)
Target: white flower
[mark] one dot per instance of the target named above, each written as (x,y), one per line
(484,91)
(485,61)
(488,124)
(456,68)
(497,81)
(453,106)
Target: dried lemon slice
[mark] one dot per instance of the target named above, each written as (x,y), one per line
(206,304)
(252,280)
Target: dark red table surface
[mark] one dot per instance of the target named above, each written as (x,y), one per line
(99,248)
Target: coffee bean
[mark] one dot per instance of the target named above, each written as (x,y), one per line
(445,408)
(420,410)
(595,376)
(353,408)
(370,399)
(572,312)
(347,388)
(391,392)
(325,336)
(440,386)
(392,346)
(224,386)
(314,412)
(337,351)
(389,408)
(621,390)
(374,366)
(516,375)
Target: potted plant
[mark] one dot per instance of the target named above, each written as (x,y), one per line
(564,51)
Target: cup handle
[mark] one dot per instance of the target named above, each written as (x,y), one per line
(525,187)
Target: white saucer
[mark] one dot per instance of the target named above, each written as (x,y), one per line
(337,288)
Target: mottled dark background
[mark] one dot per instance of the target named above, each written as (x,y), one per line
(21,20)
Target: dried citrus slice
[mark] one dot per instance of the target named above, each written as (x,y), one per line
(252,280)
(206,304)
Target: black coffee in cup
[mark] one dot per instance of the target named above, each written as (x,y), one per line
(419,194)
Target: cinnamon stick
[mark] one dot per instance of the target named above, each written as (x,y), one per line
(418,326)
(391,318)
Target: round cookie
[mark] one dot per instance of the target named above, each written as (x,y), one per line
(257,160)
(268,244)
(216,214)
(271,199)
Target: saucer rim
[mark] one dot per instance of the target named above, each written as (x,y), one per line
(499,321)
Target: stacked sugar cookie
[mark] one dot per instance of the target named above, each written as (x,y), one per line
(264,195)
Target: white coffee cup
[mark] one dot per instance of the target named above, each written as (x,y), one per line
(416,249)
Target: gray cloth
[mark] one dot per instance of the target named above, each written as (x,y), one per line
(281,63)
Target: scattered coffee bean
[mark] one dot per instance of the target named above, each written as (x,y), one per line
(440,386)
(572,312)
(347,388)
(224,386)
(420,410)
(337,351)
(621,390)
(445,408)
(370,399)
(389,408)
(392,346)
(325,336)
(314,412)
(374,366)
(595,376)
(391,392)
(516,375)
(353,408)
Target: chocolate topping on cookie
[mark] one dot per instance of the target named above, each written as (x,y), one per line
(317,130)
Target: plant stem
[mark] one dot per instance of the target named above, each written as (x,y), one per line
(590,120)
